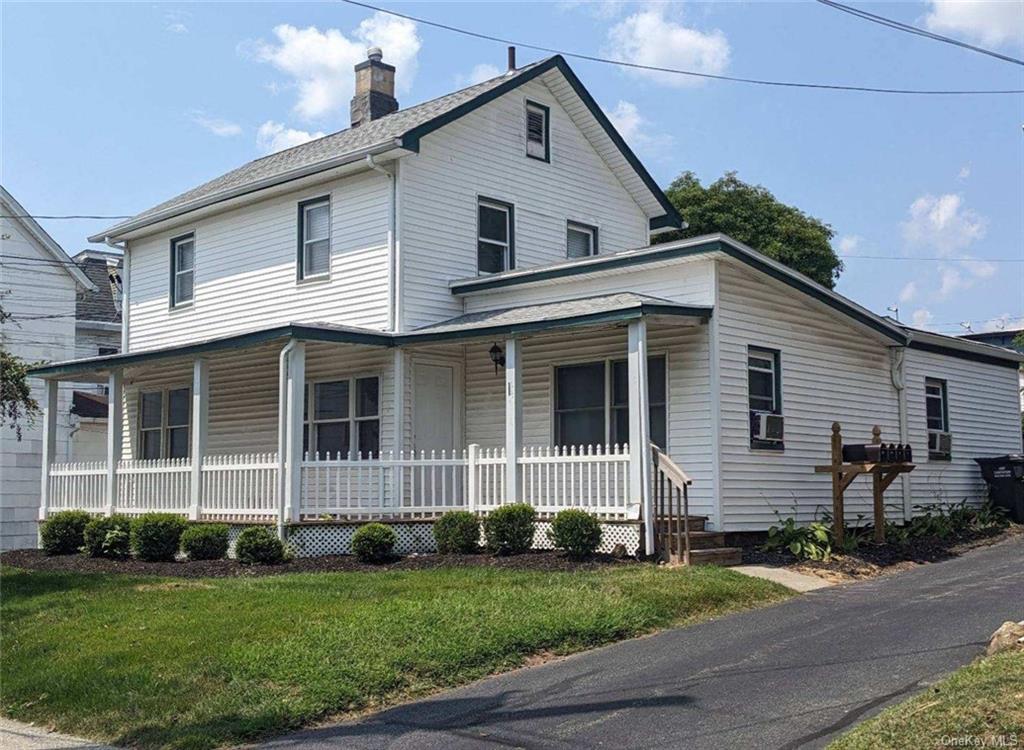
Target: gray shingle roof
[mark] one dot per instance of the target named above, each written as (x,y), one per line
(98,304)
(352,140)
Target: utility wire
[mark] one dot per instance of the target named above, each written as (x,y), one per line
(678,71)
(905,27)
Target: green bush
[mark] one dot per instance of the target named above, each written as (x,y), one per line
(509,529)
(257,545)
(374,542)
(155,536)
(205,541)
(97,532)
(811,542)
(575,531)
(61,533)
(457,532)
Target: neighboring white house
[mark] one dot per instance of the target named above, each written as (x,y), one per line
(475,279)
(38,287)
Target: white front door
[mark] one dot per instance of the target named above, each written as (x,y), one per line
(434,408)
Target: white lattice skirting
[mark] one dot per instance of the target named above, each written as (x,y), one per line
(313,540)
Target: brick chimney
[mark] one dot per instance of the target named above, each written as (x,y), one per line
(375,89)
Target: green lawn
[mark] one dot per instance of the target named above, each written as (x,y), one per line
(179,663)
(980,705)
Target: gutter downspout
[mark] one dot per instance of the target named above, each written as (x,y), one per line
(899,382)
(282,430)
(123,247)
(393,275)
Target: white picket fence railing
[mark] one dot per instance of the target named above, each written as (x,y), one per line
(417,484)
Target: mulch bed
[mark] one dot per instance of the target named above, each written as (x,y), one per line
(871,559)
(33,559)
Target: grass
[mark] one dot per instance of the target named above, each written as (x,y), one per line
(980,705)
(199,663)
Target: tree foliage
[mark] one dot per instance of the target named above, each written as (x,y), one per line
(17,407)
(755,217)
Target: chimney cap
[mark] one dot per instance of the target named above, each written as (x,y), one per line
(375,54)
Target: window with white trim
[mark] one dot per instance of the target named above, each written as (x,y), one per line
(538,131)
(764,389)
(936,403)
(592,403)
(580,240)
(183,266)
(164,418)
(342,418)
(314,238)
(495,236)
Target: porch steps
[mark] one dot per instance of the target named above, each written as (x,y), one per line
(706,547)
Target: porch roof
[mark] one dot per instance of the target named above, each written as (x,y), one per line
(608,308)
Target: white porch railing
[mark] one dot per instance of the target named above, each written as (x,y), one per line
(410,484)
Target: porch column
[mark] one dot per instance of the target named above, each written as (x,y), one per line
(640,429)
(398,440)
(296,391)
(513,417)
(200,426)
(115,426)
(49,444)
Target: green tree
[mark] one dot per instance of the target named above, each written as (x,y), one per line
(755,217)
(17,407)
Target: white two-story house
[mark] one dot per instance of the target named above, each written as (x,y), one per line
(463,304)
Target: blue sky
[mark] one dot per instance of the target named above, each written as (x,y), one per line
(111,108)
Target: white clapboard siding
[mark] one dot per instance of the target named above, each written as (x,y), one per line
(689,410)
(32,288)
(245,268)
(484,154)
(984,419)
(831,371)
(686,281)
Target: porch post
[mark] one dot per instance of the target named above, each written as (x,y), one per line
(49,444)
(640,429)
(115,426)
(200,426)
(513,417)
(293,467)
(398,441)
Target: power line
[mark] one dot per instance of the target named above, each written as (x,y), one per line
(678,71)
(62,216)
(900,26)
(933,258)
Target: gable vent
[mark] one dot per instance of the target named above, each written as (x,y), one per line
(537,130)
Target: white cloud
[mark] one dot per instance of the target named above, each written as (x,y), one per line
(921,318)
(648,37)
(849,244)
(479,74)
(990,22)
(942,223)
(216,125)
(908,292)
(604,10)
(964,173)
(320,63)
(174,21)
(950,281)
(634,127)
(1004,322)
(273,136)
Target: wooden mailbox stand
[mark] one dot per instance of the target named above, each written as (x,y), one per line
(882,475)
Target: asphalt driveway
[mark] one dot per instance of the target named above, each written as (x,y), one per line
(789,676)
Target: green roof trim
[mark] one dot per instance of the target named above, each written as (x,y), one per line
(411,139)
(949,351)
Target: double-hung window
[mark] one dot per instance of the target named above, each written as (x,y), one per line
(344,419)
(314,258)
(495,248)
(763,383)
(183,269)
(164,423)
(592,403)
(937,415)
(538,131)
(580,240)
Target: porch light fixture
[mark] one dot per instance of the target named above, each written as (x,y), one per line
(497,357)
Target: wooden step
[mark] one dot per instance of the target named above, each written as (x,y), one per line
(697,523)
(724,556)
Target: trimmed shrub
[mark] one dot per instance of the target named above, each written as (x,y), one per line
(155,536)
(374,542)
(509,529)
(96,533)
(575,531)
(257,545)
(457,532)
(61,533)
(205,541)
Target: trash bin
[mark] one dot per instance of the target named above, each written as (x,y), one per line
(1005,477)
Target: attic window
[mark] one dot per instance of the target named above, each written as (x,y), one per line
(580,240)
(538,131)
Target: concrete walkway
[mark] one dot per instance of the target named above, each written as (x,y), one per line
(17,736)
(789,676)
(801,582)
